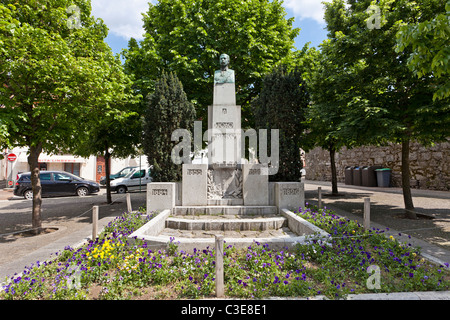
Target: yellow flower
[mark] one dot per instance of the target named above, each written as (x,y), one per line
(391,237)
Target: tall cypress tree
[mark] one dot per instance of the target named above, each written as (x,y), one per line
(282,105)
(168,109)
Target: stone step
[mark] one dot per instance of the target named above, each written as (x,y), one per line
(227,224)
(202,238)
(225,202)
(225,210)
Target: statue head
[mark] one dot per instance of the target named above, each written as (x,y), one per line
(224,61)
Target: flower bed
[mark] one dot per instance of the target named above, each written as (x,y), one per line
(112,268)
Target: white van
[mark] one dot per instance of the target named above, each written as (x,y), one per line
(135,180)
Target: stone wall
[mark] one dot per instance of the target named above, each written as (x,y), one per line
(430,168)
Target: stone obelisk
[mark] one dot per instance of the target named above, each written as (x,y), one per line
(224,138)
(224,119)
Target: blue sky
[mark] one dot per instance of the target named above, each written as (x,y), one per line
(124,20)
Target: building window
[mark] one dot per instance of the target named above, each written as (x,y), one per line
(73,168)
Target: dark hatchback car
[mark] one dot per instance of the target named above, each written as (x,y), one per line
(56,183)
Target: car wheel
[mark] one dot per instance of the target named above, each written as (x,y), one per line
(82,192)
(121,189)
(28,194)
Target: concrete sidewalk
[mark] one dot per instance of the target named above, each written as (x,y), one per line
(6,194)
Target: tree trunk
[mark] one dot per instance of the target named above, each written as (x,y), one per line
(36,220)
(334,187)
(108,173)
(406,177)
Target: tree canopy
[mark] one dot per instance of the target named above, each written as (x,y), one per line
(430,55)
(168,109)
(382,99)
(56,71)
(282,105)
(188,36)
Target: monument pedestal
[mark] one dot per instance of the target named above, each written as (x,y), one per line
(249,207)
(255,184)
(194,185)
(224,145)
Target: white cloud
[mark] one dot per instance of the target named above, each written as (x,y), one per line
(302,9)
(123,17)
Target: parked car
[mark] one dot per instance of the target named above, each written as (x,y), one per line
(120,174)
(135,180)
(56,183)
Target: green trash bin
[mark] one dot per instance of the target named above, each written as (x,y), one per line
(383,177)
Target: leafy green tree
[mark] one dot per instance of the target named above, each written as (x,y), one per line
(385,99)
(53,68)
(168,109)
(326,113)
(430,50)
(116,131)
(282,105)
(188,36)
